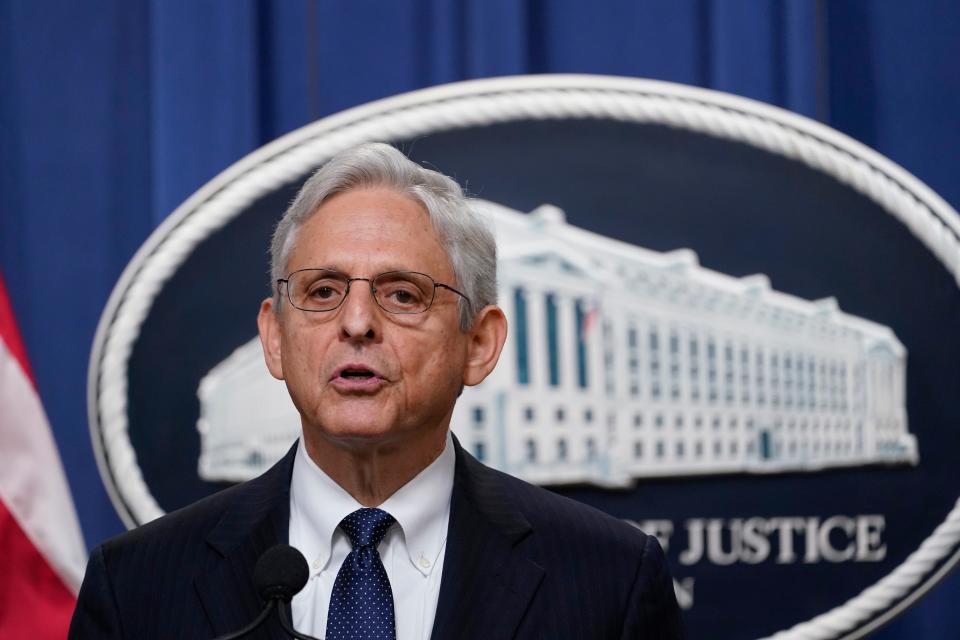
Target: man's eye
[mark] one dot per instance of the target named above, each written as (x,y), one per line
(403,296)
(323,292)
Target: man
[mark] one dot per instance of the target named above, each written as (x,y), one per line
(383,308)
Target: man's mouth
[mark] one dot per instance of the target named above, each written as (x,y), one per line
(354,377)
(356,374)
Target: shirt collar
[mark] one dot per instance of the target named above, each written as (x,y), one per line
(317,505)
(421,508)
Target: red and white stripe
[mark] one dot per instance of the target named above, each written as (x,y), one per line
(42,554)
(590,319)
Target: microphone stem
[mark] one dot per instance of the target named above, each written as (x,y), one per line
(253,625)
(285,623)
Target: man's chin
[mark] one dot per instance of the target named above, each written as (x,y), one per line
(355,430)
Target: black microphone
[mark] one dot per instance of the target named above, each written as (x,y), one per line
(280,573)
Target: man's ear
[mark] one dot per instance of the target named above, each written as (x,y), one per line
(487,336)
(268,322)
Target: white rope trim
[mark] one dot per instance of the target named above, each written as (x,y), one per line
(486,102)
(890,589)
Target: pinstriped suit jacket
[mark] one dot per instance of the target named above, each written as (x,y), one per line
(521,562)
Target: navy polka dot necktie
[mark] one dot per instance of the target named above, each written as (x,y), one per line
(361,605)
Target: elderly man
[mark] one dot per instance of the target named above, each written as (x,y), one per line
(383,308)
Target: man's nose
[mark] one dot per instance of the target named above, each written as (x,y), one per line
(359,314)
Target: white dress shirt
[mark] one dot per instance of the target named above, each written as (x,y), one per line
(412,549)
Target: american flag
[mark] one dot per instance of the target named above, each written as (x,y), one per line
(43,550)
(590,317)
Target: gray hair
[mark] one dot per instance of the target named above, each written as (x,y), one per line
(464,235)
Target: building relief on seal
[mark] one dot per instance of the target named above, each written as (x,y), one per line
(623,363)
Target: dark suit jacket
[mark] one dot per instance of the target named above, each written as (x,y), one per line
(521,562)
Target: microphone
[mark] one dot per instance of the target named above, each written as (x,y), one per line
(280,573)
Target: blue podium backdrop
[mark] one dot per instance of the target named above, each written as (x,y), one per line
(114,112)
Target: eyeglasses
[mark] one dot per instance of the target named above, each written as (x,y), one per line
(394,291)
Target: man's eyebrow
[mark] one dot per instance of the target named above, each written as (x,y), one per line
(376,272)
(393,268)
(319,267)
(390,268)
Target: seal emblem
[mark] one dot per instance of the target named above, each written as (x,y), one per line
(729,324)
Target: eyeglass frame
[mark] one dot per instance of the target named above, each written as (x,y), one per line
(373,290)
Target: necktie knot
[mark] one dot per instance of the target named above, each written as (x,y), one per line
(366,527)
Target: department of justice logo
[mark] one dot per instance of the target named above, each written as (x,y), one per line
(729,325)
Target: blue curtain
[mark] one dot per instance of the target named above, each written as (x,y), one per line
(113,111)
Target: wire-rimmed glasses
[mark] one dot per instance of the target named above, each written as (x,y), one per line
(403,292)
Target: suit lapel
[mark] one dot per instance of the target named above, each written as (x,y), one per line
(487,581)
(256,520)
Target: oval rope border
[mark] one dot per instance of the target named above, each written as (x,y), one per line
(483,102)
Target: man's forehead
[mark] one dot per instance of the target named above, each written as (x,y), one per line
(373,206)
(376,226)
